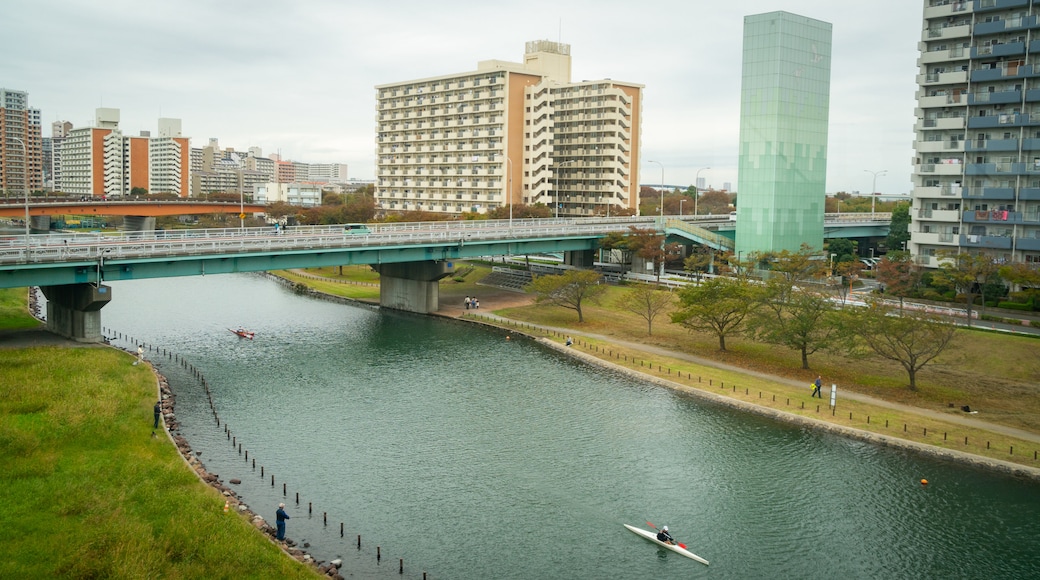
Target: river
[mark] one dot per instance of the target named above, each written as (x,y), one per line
(471,456)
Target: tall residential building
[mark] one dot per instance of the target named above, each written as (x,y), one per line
(101,160)
(784,109)
(509,133)
(21,144)
(169,160)
(52,162)
(977,147)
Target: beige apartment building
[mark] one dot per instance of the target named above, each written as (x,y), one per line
(507,134)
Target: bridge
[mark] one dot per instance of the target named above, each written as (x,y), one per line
(71,268)
(140,214)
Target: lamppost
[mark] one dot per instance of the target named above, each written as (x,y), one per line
(662,185)
(556,176)
(697,181)
(832,264)
(873,188)
(682,201)
(25,183)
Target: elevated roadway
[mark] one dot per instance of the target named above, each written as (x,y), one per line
(127,208)
(410,257)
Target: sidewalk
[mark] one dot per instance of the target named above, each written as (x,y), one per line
(967,421)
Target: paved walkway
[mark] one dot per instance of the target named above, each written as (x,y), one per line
(959,419)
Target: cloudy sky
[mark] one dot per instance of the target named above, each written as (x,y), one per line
(298,77)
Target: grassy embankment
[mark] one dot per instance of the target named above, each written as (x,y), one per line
(89,493)
(994,373)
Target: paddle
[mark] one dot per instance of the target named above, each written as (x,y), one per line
(680,544)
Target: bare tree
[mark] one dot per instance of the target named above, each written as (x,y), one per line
(648,302)
(912,340)
(568,290)
(968,274)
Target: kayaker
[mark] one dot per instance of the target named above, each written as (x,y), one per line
(665,537)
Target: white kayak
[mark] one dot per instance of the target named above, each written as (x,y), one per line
(673,547)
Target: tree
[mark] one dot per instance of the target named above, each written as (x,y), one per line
(912,340)
(899,231)
(967,274)
(898,275)
(1025,276)
(520,211)
(568,290)
(718,305)
(616,243)
(701,259)
(848,273)
(714,202)
(647,301)
(793,314)
(648,245)
(844,249)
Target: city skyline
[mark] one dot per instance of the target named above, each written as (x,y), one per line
(300,79)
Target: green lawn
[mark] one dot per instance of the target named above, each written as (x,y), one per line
(89,493)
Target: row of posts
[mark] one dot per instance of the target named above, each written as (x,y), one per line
(235,444)
(661,368)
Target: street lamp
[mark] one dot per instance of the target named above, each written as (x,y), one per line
(682,201)
(556,176)
(662,185)
(873,188)
(832,264)
(697,182)
(25,183)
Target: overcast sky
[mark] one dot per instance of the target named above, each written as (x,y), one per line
(298,77)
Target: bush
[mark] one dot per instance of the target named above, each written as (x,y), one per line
(1027,307)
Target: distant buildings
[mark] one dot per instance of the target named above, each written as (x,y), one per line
(977,150)
(100,160)
(784,105)
(21,144)
(509,133)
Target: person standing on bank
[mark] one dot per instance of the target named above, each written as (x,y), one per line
(280,517)
(158,413)
(816,387)
(140,356)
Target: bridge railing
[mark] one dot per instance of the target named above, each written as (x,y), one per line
(92,246)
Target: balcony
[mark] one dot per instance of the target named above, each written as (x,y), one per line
(989,193)
(940,169)
(998,120)
(1029,194)
(993,145)
(944,78)
(995,98)
(991,5)
(947,32)
(938,215)
(949,9)
(993,242)
(942,123)
(996,216)
(997,50)
(1028,244)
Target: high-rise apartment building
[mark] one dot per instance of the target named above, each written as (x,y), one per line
(21,144)
(977,147)
(784,110)
(509,133)
(101,161)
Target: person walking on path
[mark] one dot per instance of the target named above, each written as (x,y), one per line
(816,387)
(158,413)
(280,517)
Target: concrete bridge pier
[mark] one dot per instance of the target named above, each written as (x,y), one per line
(138,223)
(40,223)
(580,258)
(412,286)
(74,310)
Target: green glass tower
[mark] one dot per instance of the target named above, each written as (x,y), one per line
(784,103)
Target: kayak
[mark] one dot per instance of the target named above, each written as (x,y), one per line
(675,548)
(243,333)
